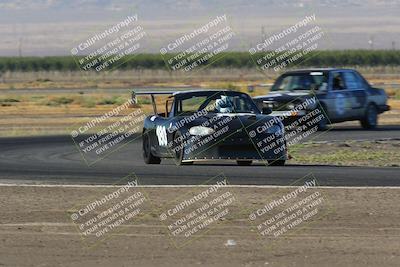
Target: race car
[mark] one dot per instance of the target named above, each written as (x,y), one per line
(207,125)
(341,94)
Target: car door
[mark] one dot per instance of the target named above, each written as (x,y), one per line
(356,88)
(158,134)
(340,97)
(161,136)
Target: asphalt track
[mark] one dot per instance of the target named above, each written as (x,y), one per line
(55,160)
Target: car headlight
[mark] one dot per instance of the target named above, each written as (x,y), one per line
(290,106)
(201,130)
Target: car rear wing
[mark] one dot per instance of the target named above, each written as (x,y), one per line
(151,94)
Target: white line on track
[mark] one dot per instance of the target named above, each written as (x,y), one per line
(188,186)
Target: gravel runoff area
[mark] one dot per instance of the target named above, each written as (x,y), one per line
(344,226)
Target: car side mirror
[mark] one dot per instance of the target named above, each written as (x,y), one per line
(266,110)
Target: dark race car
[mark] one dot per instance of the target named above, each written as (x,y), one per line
(211,125)
(341,94)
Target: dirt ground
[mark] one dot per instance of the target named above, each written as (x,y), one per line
(354,227)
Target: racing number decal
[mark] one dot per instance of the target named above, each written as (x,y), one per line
(161,133)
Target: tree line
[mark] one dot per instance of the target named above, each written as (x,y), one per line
(332,58)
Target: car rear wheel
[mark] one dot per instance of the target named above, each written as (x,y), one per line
(244,162)
(276,162)
(370,120)
(147,155)
(179,149)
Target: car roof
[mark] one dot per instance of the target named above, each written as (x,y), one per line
(198,91)
(314,69)
(202,92)
(173,93)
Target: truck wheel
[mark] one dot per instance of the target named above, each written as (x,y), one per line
(370,120)
(147,155)
(276,162)
(178,153)
(244,162)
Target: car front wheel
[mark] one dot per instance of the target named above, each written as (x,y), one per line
(370,120)
(179,149)
(323,123)
(147,155)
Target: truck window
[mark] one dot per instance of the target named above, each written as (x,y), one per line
(352,81)
(300,81)
(338,82)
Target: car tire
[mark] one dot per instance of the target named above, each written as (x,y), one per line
(244,162)
(178,154)
(148,157)
(276,162)
(323,123)
(370,120)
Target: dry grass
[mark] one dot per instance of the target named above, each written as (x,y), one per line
(124,79)
(368,153)
(33,114)
(208,77)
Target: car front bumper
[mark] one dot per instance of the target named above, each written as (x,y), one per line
(234,148)
(383,108)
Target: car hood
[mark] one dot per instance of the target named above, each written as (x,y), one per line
(284,97)
(279,100)
(236,120)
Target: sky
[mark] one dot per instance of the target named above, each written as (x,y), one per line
(54,27)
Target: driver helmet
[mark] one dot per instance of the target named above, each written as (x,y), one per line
(224,105)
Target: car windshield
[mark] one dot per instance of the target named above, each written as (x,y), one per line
(301,81)
(220,102)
